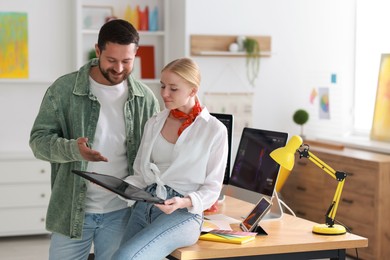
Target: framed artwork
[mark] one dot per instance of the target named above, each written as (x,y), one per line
(14,62)
(324,109)
(380,129)
(94,16)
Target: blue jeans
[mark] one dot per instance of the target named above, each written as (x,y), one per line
(104,230)
(152,234)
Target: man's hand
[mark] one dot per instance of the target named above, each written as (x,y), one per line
(87,153)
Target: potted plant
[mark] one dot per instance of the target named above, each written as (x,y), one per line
(91,54)
(301,117)
(252,49)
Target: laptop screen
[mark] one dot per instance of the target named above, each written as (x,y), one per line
(227,120)
(119,186)
(253,168)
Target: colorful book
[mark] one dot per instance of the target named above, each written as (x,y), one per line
(234,233)
(226,238)
(146,53)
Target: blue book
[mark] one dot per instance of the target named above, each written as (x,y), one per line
(153,19)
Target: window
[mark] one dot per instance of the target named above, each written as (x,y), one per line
(372,39)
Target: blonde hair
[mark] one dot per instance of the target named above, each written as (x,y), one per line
(185,68)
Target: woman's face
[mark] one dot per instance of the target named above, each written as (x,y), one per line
(176,92)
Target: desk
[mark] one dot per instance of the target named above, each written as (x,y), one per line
(288,238)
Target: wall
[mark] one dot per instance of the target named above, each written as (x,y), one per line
(310,40)
(51,48)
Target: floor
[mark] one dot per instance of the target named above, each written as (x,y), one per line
(28,248)
(25,247)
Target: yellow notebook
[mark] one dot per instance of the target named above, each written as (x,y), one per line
(226,239)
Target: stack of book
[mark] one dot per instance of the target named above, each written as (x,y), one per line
(228,236)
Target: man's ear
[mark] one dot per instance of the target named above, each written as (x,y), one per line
(97,51)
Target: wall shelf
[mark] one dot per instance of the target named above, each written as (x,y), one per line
(218,45)
(141,33)
(229,53)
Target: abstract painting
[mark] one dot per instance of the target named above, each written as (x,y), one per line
(13,45)
(323,93)
(381,122)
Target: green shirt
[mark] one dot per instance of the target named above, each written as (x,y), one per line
(68,111)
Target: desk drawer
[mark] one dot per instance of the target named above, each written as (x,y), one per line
(361,181)
(362,174)
(354,207)
(307,193)
(295,198)
(22,221)
(24,171)
(313,214)
(368,232)
(24,195)
(305,170)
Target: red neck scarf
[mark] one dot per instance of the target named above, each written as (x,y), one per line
(189,118)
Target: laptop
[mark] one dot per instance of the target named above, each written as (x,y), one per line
(227,120)
(119,187)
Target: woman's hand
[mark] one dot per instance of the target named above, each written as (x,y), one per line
(170,205)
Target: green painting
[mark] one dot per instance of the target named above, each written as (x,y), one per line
(13,45)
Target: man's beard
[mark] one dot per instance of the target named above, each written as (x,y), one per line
(106,75)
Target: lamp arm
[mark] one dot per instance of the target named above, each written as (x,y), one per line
(337,175)
(331,213)
(304,152)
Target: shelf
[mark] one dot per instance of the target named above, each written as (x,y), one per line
(86,38)
(151,33)
(228,53)
(16,155)
(151,81)
(218,45)
(25,81)
(141,33)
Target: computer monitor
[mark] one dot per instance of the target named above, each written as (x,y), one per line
(227,120)
(254,173)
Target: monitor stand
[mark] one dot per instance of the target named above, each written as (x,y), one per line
(276,210)
(221,196)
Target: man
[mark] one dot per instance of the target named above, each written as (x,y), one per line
(92,120)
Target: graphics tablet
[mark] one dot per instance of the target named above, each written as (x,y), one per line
(119,187)
(250,222)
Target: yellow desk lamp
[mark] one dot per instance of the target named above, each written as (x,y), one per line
(285,156)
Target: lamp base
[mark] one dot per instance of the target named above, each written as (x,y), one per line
(324,229)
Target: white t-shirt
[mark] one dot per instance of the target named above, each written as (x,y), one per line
(110,141)
(162,153)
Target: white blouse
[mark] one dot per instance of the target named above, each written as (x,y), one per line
(198,160)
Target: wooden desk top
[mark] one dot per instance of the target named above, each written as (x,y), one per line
(285,235)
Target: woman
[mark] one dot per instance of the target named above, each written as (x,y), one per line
(182,159)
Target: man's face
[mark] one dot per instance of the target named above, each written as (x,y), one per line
(116,61)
